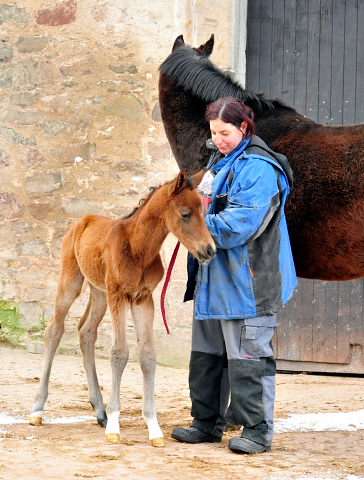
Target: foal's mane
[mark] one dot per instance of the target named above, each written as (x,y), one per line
(197,74)
(143,201)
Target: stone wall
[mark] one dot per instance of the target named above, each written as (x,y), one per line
(80,133)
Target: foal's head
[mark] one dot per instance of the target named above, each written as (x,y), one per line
(184,217)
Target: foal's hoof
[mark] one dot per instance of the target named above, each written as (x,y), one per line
(37,421)
(158,442)
(113,437)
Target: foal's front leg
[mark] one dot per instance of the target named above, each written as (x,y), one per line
(119,354)
(143,313)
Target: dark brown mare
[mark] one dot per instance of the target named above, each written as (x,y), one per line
(121,262)
(325,210)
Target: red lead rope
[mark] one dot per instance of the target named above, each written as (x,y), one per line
(165,285)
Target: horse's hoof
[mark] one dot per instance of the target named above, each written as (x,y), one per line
(113,437)
(102,421)
(37,421)
(158,442)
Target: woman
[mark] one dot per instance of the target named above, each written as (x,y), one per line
(238,293)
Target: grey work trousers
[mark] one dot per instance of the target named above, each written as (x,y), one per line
(233,356)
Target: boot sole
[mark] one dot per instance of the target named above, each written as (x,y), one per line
(246,448)
(182,438)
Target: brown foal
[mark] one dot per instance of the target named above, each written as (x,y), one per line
(120,260)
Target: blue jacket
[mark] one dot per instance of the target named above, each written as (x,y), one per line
(253,273)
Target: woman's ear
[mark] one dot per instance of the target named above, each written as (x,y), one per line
(243,127)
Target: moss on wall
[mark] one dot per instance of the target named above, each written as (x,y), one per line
(11,330)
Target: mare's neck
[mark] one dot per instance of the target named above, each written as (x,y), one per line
(278,122)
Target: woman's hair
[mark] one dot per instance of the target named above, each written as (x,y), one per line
(234,111)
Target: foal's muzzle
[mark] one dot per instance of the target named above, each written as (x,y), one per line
(206,254)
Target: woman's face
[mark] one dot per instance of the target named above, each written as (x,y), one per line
(226,136)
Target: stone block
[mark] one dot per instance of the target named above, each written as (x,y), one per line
(22,117)
(32,159)
(29,314)
(48,312)
(123,68)
(31,44)
(6,52)
(8,252)
(22,227)
(15,138)
(80,67)
(78,308)
(79,207)
(61,13)
(10,291)
(36,246)
(79,124)
(13,14)
(36,347)
(54,127)
(10,206)
(43,184)
(41,211)
(30,74)
(4,158)
(128,106)
(156,113)
(56,102)
(22,99)
(68,154)
(121,169)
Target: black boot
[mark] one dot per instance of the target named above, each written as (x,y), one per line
(252,440)
(205,376)
(193,435)
(247,405)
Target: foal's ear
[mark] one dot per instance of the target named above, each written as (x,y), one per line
(197,177)
(179,184)
(206,48)
(179,42)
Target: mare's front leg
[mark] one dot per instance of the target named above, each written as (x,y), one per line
(143,313)
(68,289)
(119,354)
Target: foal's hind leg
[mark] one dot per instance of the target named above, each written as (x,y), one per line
(68,289)
(119,354)
(143,314)
(87,331)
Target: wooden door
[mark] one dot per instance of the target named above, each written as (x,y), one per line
(310,54)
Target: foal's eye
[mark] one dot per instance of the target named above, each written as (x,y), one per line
(186,215)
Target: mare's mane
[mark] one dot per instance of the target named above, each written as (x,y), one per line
(198,75)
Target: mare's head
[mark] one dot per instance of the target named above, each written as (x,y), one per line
(204,50)
(184,217)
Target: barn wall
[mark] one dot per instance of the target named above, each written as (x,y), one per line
(80,133)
